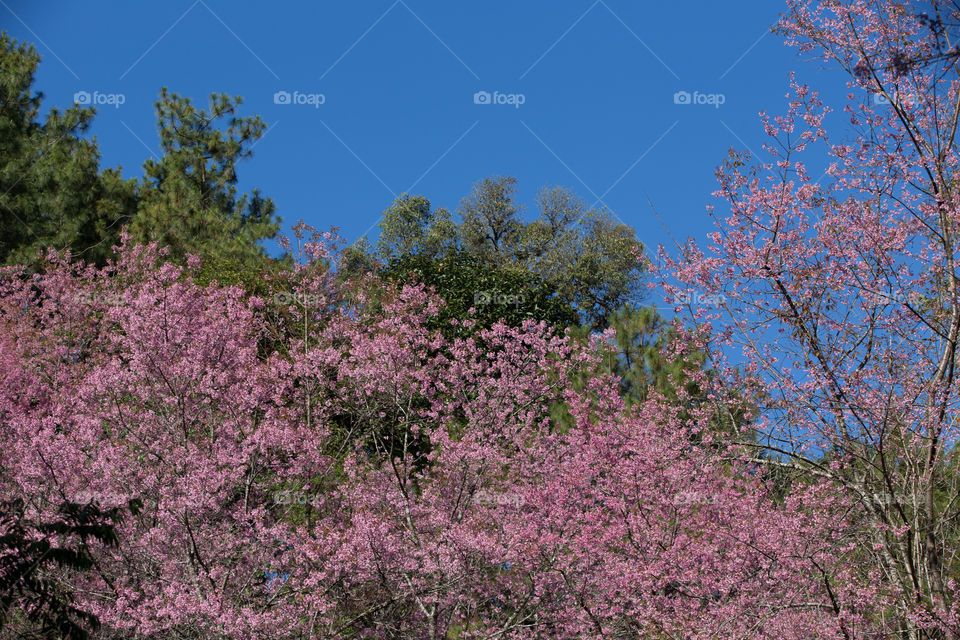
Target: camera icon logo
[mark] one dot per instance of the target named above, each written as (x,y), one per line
(481,97)
(281,97)
(482,297)
(681,97)
(82,97)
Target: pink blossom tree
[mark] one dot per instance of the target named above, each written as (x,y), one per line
(841,300)
(369,478)
(323,464)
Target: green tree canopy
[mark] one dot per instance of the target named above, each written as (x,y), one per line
(584,255)
(188,197)
(466,282)
(52,192)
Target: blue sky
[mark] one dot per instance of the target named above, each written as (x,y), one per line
(385,95)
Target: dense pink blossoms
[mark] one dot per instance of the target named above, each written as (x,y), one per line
(377,481)
(330,467)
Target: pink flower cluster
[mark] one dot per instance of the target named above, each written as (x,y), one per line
(444,502)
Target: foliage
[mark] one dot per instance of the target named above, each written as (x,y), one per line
(54,196)
(583,255)
(643,340)
(188,199)
(34,603)
(494,295)
(322,453)
(841,295)
(289,494)
(52,192)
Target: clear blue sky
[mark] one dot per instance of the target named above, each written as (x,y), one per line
(597,81)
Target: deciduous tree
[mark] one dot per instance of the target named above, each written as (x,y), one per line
(842,294)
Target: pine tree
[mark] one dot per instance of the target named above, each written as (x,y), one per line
(52,192)
(188,198)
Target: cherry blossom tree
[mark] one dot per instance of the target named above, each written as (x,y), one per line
(837,267)
(321,463)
